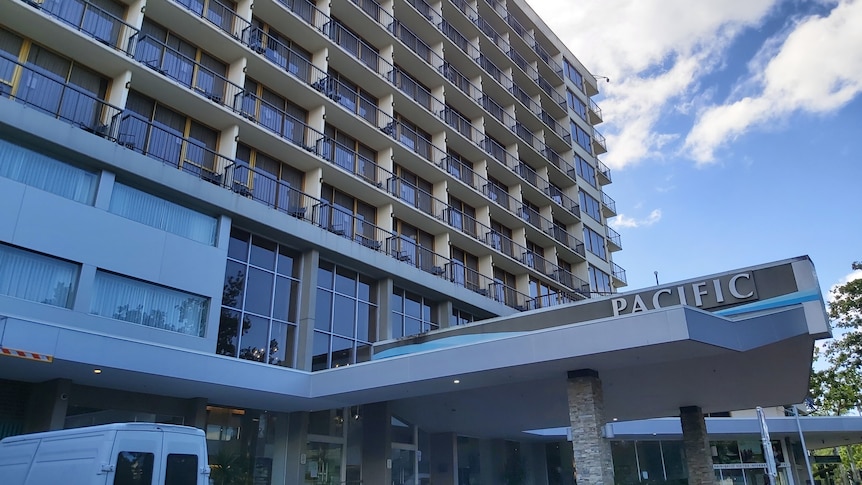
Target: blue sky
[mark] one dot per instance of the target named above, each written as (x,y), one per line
(734,129)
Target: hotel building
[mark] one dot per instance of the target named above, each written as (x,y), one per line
(218,214)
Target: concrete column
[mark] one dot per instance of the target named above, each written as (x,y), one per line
(297,435)
(698,455)
(46,410)
(444,459)
(308,300)
(196,412)
(592,453)
(376,443)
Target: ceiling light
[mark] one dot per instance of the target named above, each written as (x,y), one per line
(457,381)
(97,371)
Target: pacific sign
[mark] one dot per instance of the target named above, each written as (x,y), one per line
(724,290)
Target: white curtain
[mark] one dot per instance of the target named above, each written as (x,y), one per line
(46,173)
(159,213)
(38,278)
(146,304)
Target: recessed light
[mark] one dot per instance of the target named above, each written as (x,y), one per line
(615,419)
(457,381)
(97,371)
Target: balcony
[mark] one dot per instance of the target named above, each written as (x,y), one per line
(460,81)
(469,278)
(307,11)
(345,224)
(599,143)
(463,222)
(275,120)
(415,44)
(411,140)
(595,113)
(415,91)
(571,281)
(614,240)
(494,71)
(347,159)
(604,173)
(281,55)
(186,71)
(348,98)
(457,38)
(571,242)
(407,251)
(570,205)
(554,299)
(609,206)
(619,275)
(218,14)
(549,60)
(509,296)
(461,172)
(90,20)
(499,195)
(504,244)
(374,10)
(358,48)
(460,124)
(265,188)
(412,195)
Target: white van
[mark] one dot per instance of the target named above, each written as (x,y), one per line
(110,454)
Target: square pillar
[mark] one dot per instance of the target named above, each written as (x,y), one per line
(698,455)
(592,453)
(376,443)
(444,459)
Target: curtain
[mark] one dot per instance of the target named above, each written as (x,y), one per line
(159,213)
(149,305)
(38,278)
(46,173)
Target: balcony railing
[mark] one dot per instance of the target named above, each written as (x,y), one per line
(599,143)
(413,195)
(460,81)
(508,296)
(464,222)
(550,91)
(219,14)
(344,223)
(276,120)
(609,205)
(374,10)
(595,113)
(494,71)
(462,172)
(172,64)
(415,91)
(619,273)
(469,278)
(347,159)
(65,101)
(458,39)
(499,195)
(554,299)
(357,47)
(426,10)
(563,236)
(461,124)
(614,239)
(351,100)
(415,44)
(604,172)
(496,110)
(504,244)
(308,11)
(410,139)
(549,60)
(267,189)
(407,251)
(89,19)
(281,55)
(563,200)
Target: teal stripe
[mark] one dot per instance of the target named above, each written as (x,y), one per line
(777,302)
(444,343)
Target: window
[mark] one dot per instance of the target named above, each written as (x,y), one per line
(181,469)
(462,216)
(413,87)
(260,301)
(156,212)
(150,305)
(576,77)
(347,216)
(271,181)
(459,167)
(413,246)
(274,112)
(345,317)
(280,50)
(411,136)
(461,317)
(458,121)
(349,154)
(498,192)
(134,468)
(166,135)
(465,270)
(164,51)
(535,258)
(412,188)
(348,94)
(36,277)
(50,82)
(46,173)
(600,282)
(354,44)
(580,136)
(590,205)
(594,243)
(504,288)
(411,314)
(576,104)
(99,18)
(585,171)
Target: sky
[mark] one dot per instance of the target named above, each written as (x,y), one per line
(733,128)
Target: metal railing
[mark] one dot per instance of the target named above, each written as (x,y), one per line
(90,19)
(599,142)
(609,203)
(217,13)
(619,273)
(274,50)
(595,109)
(415,44)
(469,278)
(426,10)
(563,200)
(504,244)
(462,172)
(357,47)
(348,225)
(349,160)
(410,139)
(413,195)
(274,119)
(459,123)
(349,98)
(496,110)
(267,189)
(374,10)
(458,39)
(614,237)
(460,81)
(556,298)
(171,63)
(573,243)
(307,11)
(508,296)
(604,171)
(416,91)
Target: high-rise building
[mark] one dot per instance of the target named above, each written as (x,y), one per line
(204,203)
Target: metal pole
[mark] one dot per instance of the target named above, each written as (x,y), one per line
(767,446)
(804,447)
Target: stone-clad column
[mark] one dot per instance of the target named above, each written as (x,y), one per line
(698,455)
(592,453)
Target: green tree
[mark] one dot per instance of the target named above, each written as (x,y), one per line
(837,388)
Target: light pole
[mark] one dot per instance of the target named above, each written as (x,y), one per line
(656,277)
(804,447)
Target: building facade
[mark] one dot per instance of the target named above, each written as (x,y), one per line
(218,214)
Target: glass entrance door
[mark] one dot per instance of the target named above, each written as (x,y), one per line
(403,466)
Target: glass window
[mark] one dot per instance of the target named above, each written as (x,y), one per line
(590,205)
(46,173)
(156,212)
(35,277)
(134,301)
(625,462)
(181,469)
(600,282)
(594,243)
(580,136)
(585,170)
(134,468)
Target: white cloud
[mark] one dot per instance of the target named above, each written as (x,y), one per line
(853,275)
(623,220)
(654,51)
(816,69)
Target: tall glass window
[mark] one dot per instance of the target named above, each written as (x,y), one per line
(585,170)
(600,282)
(260,301)
(411,314)
(35,277)
(46,173)
(590,205)
(345,317)
(595,243)
(162,214)
(146,304)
